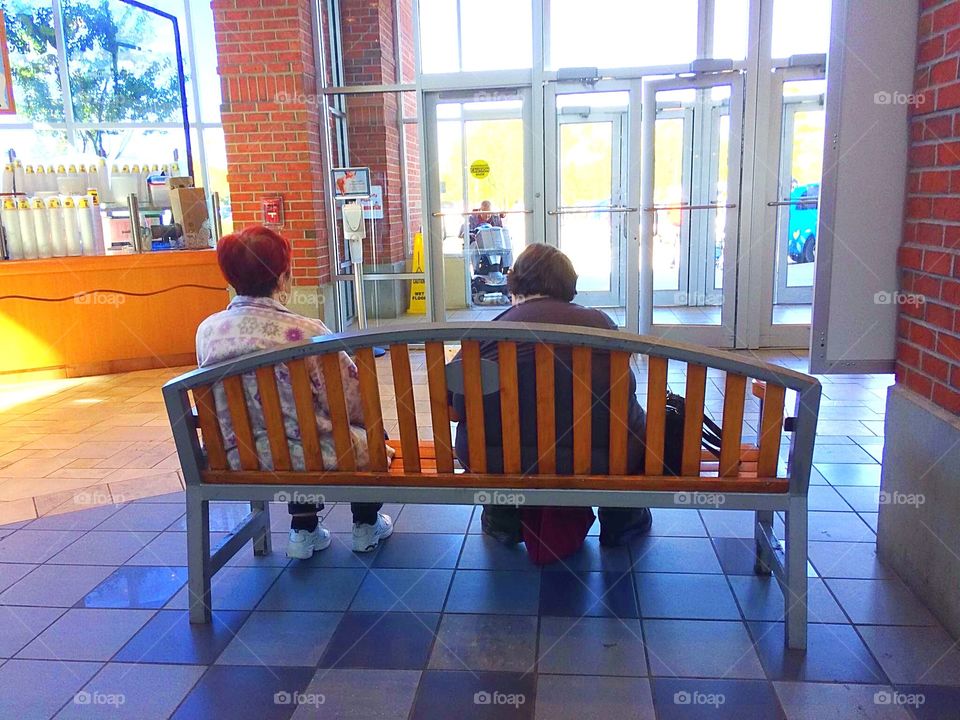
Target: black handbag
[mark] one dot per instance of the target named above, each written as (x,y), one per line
(673,435)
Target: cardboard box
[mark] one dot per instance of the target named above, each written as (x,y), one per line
(189,207)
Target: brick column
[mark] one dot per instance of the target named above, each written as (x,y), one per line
(928,337)
(271,124)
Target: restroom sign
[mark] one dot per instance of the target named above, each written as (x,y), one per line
(479,169)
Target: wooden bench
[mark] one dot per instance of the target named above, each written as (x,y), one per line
(744,477)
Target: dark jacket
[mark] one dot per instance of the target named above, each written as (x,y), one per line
(549,310)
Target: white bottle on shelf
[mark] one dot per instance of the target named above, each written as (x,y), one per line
(71,226)
(41,224)
(18,175)
(28,232)
(85,220)
(6,183)
(97,218)
(10,217)
(58,236)
(29,181)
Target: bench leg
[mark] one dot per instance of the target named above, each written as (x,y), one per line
(763,563)
(795,596)
(262,545)
(198,555)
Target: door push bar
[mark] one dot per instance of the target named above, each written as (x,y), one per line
(799,201)
(485,212)
(709,206)
(582,211)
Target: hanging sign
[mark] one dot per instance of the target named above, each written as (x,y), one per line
(480,169)
(418,288)
(373,205)
(351,183)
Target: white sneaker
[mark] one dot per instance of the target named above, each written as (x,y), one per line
(303,543)
(366,537)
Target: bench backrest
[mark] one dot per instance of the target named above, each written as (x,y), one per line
(476,377)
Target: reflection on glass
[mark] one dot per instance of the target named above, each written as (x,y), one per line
(730,28)
(668,189)
(34,65)
(495,34)
(439,46)
(800,27)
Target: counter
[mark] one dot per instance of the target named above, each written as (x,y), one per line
(67,317)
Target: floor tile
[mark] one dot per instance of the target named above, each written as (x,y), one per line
(20,625)
(145,692)
(317,589)
(233,588)
(482,552)
(281,639)
(35,546)
(79,520)
(475,696)
(826,498)
(137,587)
(862,498)
(402,589)
(760,598)
(591,646)
(820,701)
(339,518)
(103,548)
(880,602)
(244,557)
(244,693)
(55,585)
(737,555)
(157,517)
(391,641)
(677,648)
(840,455)
(419,550)
(870,519)
(167,548)
(835,653)
(86,634)
(926,655)
(670,595)
(595,558)
(562,697)
(434,518)
(729,523)
(928,702)
(847,560)
(485,642)
(170,637)
(593,594)
(838,526)
(674,522)
(494,592)
(340,554)
(51,683)
(682,555)
(387,694)
(701,699)
(861,474)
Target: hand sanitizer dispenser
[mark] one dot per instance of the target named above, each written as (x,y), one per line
(354,230)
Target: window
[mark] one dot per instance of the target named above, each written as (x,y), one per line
(800,28)
(469,35)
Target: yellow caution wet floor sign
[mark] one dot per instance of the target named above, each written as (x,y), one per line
(418,288)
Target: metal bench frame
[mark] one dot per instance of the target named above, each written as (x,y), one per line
(788,565)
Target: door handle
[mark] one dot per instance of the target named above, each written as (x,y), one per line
(708,206)
(583,211)
(485,212)
(801,201)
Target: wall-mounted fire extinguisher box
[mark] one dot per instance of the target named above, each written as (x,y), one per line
(273,211)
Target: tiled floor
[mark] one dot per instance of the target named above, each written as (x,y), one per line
(440,622)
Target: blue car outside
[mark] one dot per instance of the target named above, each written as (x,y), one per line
(802,229)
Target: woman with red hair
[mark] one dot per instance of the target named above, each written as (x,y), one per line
(256,262)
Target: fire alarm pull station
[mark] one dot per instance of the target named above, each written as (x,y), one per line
(273,211)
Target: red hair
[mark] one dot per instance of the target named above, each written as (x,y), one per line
(253,260)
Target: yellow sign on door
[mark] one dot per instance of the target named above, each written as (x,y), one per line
(418,288)
(479,169)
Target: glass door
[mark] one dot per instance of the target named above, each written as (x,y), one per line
(477,196)
(690,186)
(586,154)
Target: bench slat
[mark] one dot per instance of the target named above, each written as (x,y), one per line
(406,410)
(771,422)
(210,427)
(306,414)
(546,413)
(693,419)
(439,408)
(582,410)
(339,417)
(734,391)
(473,397)
(239,415)
(656,414)
(509,406)
(273,418)
(372,412)
(619,391)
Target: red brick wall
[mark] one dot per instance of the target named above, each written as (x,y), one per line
(271,121)
(928,343)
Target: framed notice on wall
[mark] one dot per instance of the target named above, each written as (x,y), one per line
(351,183)
(6,81)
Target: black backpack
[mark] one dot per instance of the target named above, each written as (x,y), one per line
(673,435)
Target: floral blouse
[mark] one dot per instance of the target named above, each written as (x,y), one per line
(251,324)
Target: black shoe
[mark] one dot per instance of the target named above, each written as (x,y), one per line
(504,528)
(639,524)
